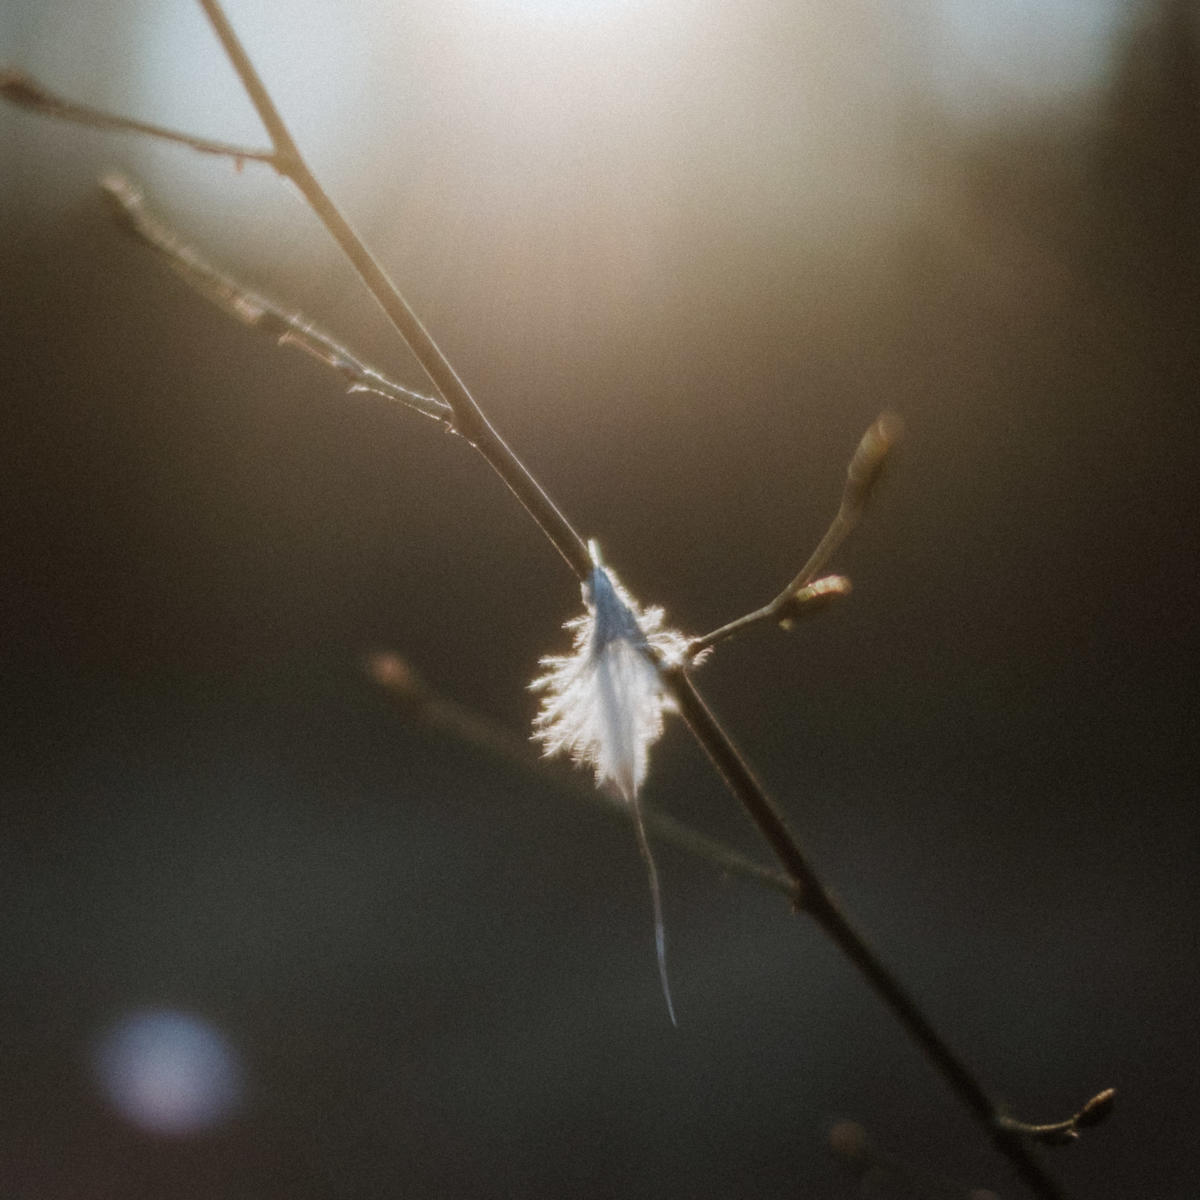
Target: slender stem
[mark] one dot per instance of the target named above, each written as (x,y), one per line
(816,900)
(468,417)
(1063,1133)
(786,609)
(19,88)
(862,476)
(252,308)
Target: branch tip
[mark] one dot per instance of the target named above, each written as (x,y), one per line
(421,704)
(1097,1109)
(870,457)
(807,595)
(1064,1133)
(251,308)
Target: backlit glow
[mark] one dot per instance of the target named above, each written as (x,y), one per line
(168,1072)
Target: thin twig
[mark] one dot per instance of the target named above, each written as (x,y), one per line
(469,420)
(806,594)
(20,89)
(423,704)
(252,308)
(1063,1133)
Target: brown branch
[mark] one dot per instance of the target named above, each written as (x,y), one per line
(1063,1133)
(818,902)
(806,594)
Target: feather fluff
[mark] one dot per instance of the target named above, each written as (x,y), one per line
(604,704)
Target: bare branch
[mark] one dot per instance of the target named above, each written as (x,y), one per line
(420,703)
(18,88)
(252,308)
(806,594)
(820,904)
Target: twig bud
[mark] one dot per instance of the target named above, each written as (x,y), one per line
(1057,1136)
(18,88)
(398,678)
(1097,1109)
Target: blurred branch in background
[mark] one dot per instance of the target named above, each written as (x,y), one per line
(419,703)
(887,1176)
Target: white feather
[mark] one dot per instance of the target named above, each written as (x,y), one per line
(604,703)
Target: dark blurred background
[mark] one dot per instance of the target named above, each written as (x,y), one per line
(683,254)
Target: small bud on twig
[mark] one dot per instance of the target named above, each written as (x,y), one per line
(1097,1109)
(1063,1133)
(866,467)
(813,598)
(803,596)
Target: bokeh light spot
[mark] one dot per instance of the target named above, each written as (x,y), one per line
(168,1072)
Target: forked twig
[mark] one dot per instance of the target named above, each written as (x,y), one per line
(1063,1133)
(467,419)
(806,594)
(411,694)
(252,308)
